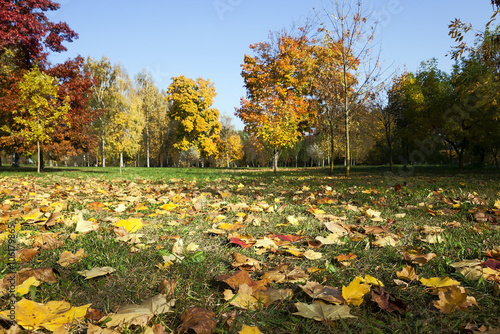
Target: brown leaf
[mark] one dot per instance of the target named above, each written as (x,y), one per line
(168,287)
(47,241)
(387,301)
(326,293)
(93,314)
(453,298)
(46,275)
(199,320)
(419,259)
(244,262)
(283,274)
(159,329)
(242,277)
(120,231)
(26,255)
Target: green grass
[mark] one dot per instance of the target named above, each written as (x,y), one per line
(201,195)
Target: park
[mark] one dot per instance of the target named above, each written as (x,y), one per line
(355,199)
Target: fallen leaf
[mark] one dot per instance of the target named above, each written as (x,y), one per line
(132,225)
(33,316)
(408,273)
(26,255)
(320,311)
(454,298)
(249,330)
(439,282)
(283,274)
(419,259)
(387,301)
(331,239)
(244,299)
(245,262)
(198,320)
(45,275)
(312,255)
(96,272)
(242,277)
(68,258)
(354,292)
(167,288)
(24,288)
(326,293)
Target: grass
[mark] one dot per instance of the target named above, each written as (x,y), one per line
(200,196)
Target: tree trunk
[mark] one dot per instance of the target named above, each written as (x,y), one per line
(38,152)
(103,158)
(147,147)
(121,161)
(275,160)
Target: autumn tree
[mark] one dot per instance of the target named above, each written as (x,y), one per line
(278,83)
(196,121)
(229,144)
(76,83)
(154,112)
(348,31)
(39,109)
(126,119)
(103,98)
(26,38)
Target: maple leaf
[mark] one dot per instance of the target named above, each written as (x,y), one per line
(24,288)
(245,262)
(419,259)
(439,282)
(453,298)
(408,273)
(282,274)
(269,296)
(68,258)
(331,239)
(32,316)
(249,330)
(198,320)
(242,277)
(354,292)
(323,312)
(326,293)
(127,315)
(131,224)
(96,272)
(387,301)
(312,255)
(243,299)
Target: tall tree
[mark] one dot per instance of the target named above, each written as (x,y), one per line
(349,28)
(278,83)
(26,38)
(153,108)
(197,122)
(103,97)
(39,110)
(126,121)
(229,144)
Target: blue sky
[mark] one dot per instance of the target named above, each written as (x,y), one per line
(209,38)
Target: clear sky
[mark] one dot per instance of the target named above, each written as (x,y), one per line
(209,38)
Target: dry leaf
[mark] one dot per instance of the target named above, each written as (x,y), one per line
(453,298)
(323,312)
(33,316)
(249,330)
(167,288)
(244,262)
(198,320)
(387,301)
(326,293)
(96,272)
(354,292)
(408,273)
(68,258)
(419,259)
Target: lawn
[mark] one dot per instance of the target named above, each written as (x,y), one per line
(236,250)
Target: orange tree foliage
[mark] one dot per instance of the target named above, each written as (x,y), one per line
(278,82)
(196,122)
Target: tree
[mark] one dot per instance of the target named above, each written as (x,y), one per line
(229,144)
(278,83)
(103,97)
(126,121)
(153,108)
(76,83)
(196,121)
(39,110)
(353,37)
(26,38)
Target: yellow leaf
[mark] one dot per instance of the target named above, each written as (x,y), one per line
(249,330)
(408,273)
(68,258)
(320,311)
(131,224)
(32,316)
(312,255)
(439,282)
(243,299)
(354,292)
(497,204)
(25,287)
(168,206)
(453,298)
(372,280)
(96,272)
